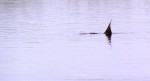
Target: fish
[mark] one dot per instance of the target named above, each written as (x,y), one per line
(108,31)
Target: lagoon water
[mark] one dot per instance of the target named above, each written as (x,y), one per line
(40,40)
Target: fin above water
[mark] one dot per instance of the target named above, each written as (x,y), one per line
(108,30)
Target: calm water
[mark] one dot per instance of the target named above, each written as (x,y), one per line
(40,40)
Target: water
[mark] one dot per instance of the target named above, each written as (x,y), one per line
(40,40)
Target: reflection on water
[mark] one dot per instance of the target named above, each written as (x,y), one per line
(109,38)
(40,41)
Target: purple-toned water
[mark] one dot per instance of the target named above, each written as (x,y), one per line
(40,40)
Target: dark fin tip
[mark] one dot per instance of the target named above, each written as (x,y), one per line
(108,30)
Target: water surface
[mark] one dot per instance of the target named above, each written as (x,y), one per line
(41,41)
